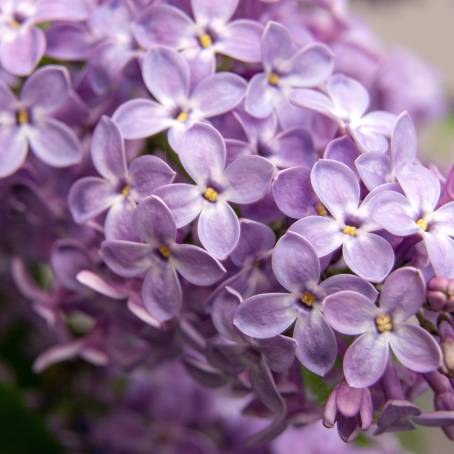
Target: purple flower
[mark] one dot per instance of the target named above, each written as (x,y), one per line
(382,328)
(119,188)
(212,33)
(284,69)
(351,225)
(22,43)
(202,154)
(297,268)
(167,75)
(347,101)
(28,121)
(160,258)
(415,213)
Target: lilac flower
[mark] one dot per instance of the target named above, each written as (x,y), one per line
(119,188)
(297,268)
(167,75)
(160,258)
(202,154)
(212,33)
(22,43)
(382,328)
(285,68)
(28,121)
(415,213)
(365,253)
(288,148)
(347,101)
(376,167)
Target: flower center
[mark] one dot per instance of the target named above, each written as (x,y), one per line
(349,230)
(273,78)
(126,190)
(211,195)
(164,251)
(205,40)
(14,24)
(321,210)
(308,299)
(182,116)
(22,117)
(422,224)
(384,323)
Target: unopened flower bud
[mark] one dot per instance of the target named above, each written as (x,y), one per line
(440,294)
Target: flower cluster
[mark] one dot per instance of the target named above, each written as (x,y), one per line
(235,185)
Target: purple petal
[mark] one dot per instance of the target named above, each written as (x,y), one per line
(260,97)
(322,232)
(147,173)
(119,223)
(279,352)
(57,354)
(440,249)
(344,150)
(161,292)
(443,220)
(67,10)
(217,94)
(349,96)
(241,40)
(166,75)
(404,142)
(219,229)
(126,258)
(350,312)
(255,239)
(163,25)
(277,45)
(249,178)
(141,118)
(265,315)
(21,55)
(403,293)
(369,256)
(310,66)
(317,347)
(154,222)
(292,192)
(295,148)
(295,263)
(369,140)
(374,168)
(196,265)
(223,312)
(415,348)
(340,282)
(421,186)
(89,197)
(55,143)
(365,360)
(206,11)
(48,88)
(67,41)
(7,98)
(313,100)
(13,150)
(107,150)
(435,418)
(184,201)
(336,186)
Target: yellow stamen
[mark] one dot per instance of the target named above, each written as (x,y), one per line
(273,78)
(182,116)
(308,299)
(205,40)
(211,195)
(23,117)
(165,251)
(14,24)
(384,323)
(126,190)
(422,224)
(321,210)
(349,230)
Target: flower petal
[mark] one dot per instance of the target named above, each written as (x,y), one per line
(350,312)
(277,45)
(440,249)
(369,256)
(119,223)
(415,348)
(313,100)
(374,168)
(295,263)
(443,220)
(403,293)
(241,40)
(350,282)
(336,186)
(260,97)
(365,360)
(404,142)
(141,118)
(219,229)
(265,315)
(322,232)
(295,147)
(317,347)
(344,150)
(196,265)
(166,75)
(13,150)
(206,11)
(55,143)
(279,352)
